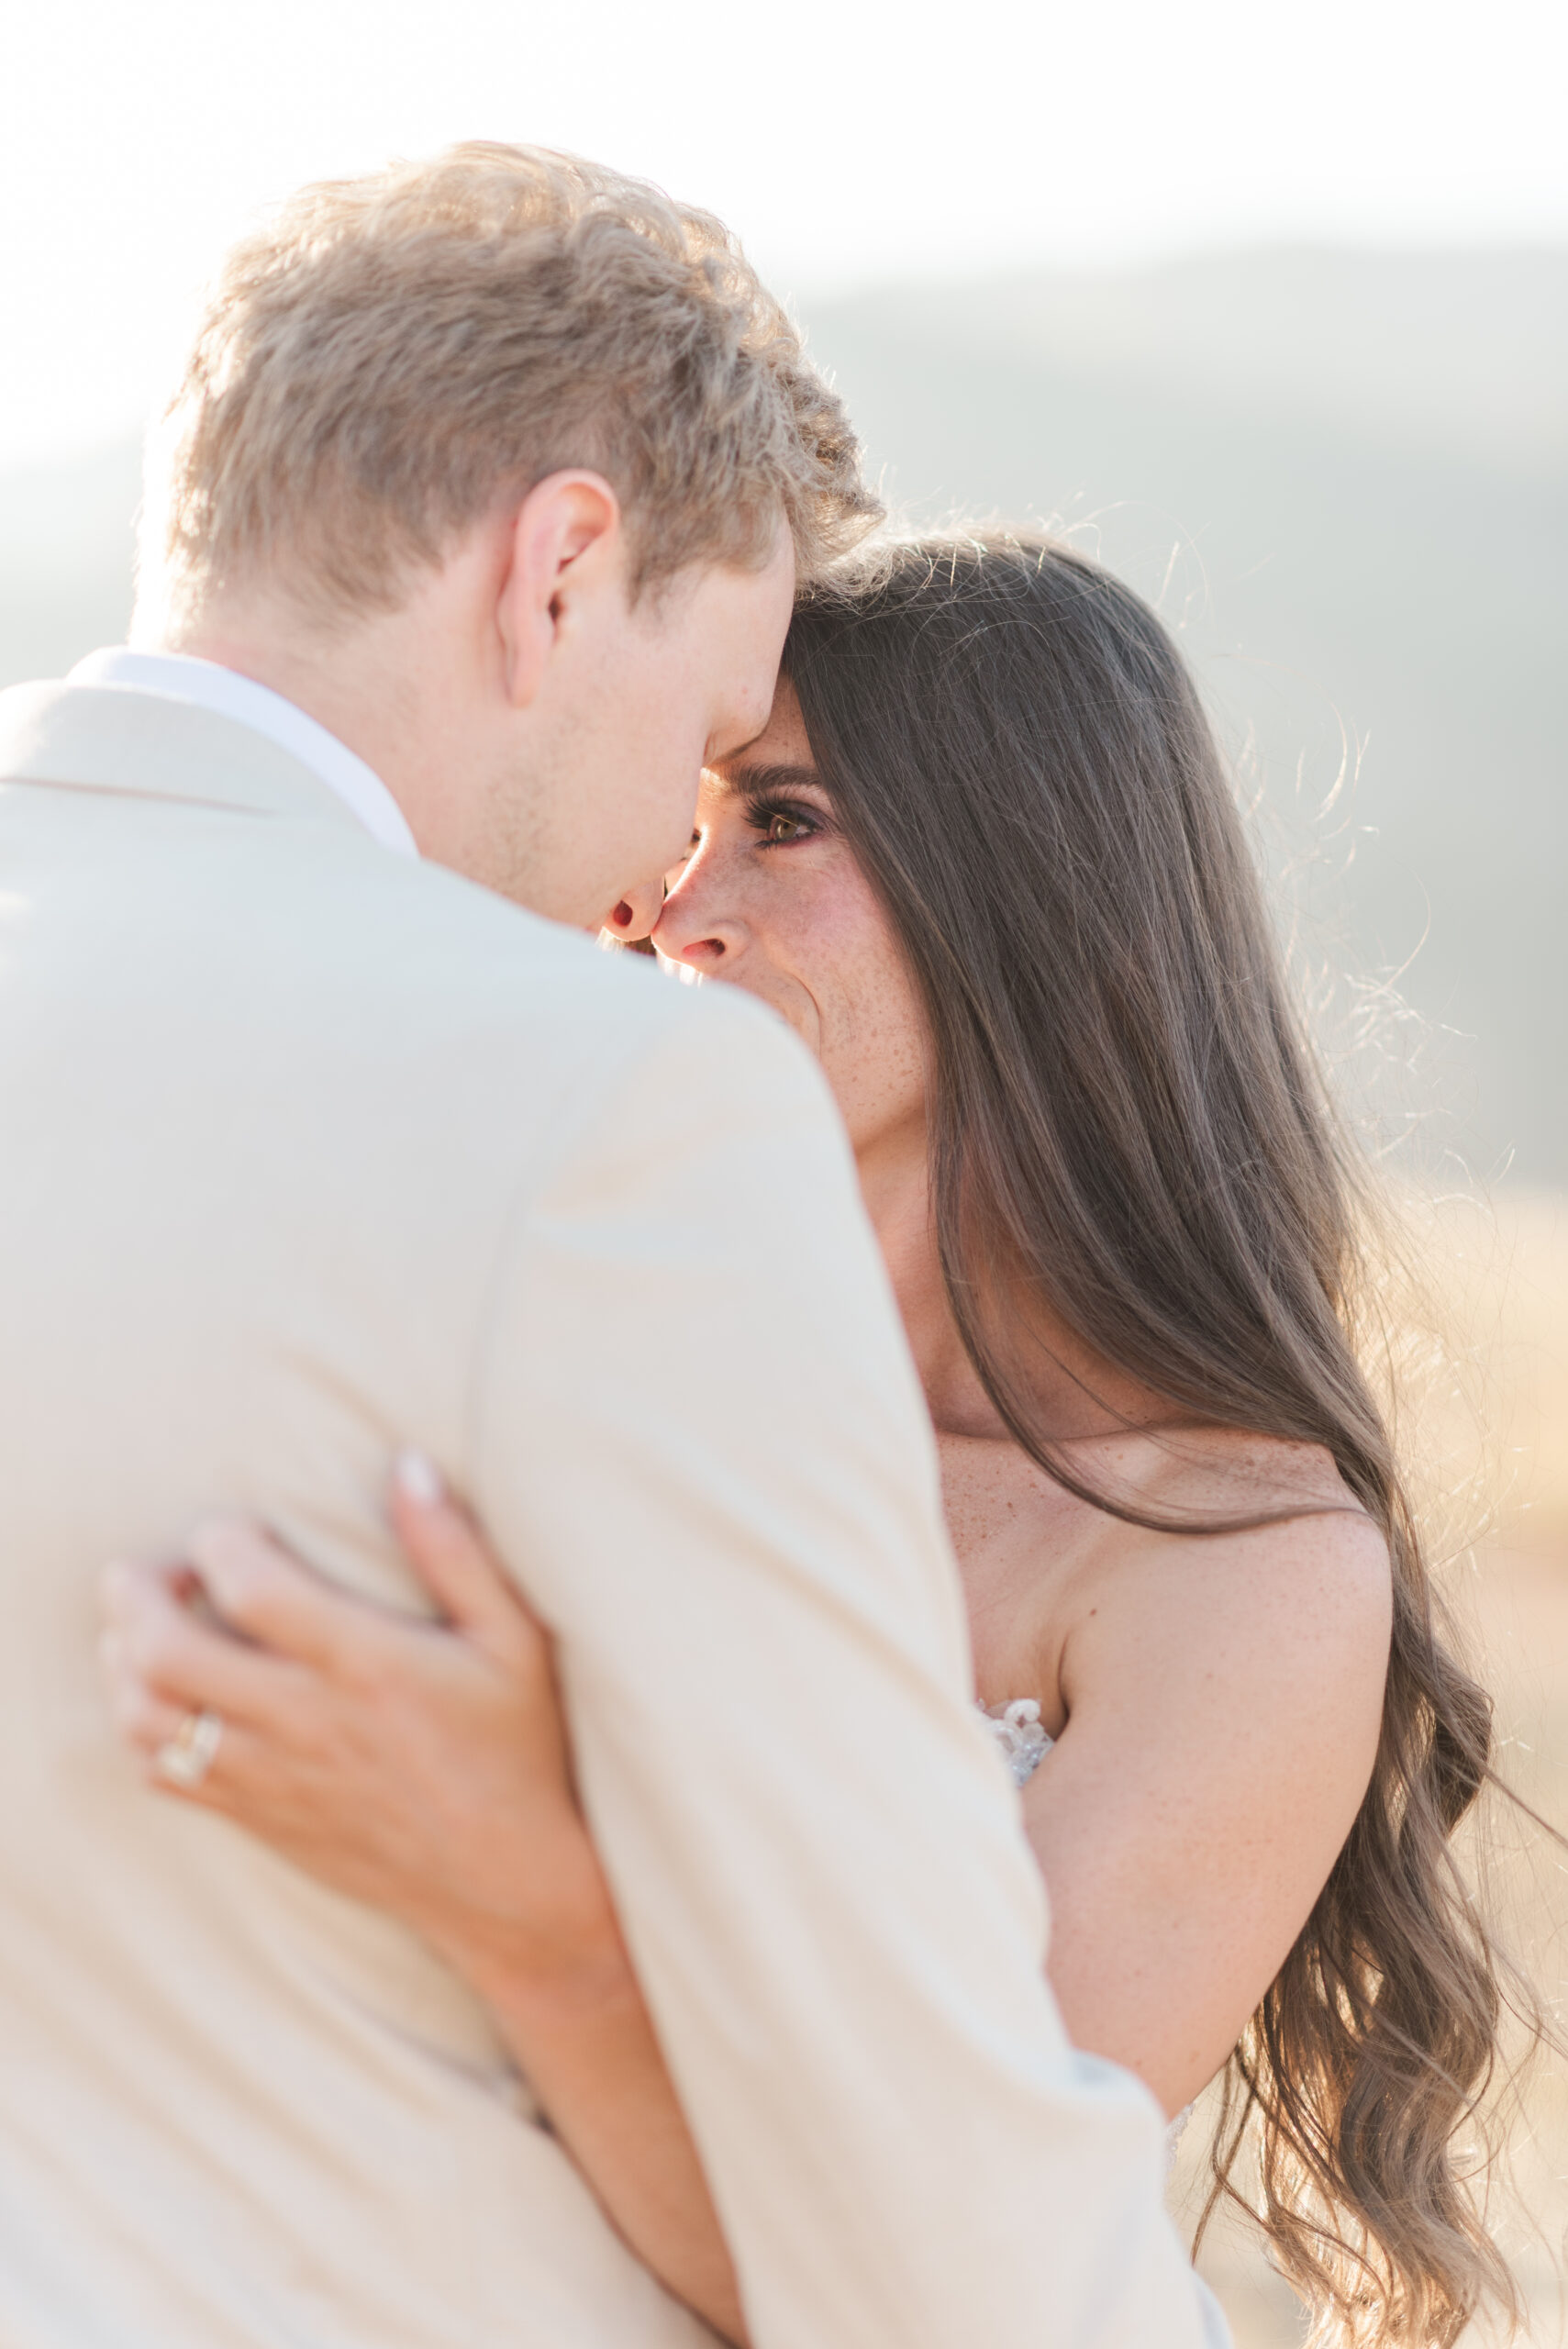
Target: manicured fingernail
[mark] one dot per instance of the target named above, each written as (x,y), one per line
(418,1478)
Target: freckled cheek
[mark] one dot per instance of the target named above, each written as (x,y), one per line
(818,931)
(870,1032)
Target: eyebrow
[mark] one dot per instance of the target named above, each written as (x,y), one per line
(743,781)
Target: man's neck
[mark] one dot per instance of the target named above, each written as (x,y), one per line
(332,682)
(406,690)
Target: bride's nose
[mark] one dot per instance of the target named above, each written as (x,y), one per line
(695,928)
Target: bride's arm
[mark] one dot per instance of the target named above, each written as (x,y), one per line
(1223,1700)
(422,1767)
(584,2037)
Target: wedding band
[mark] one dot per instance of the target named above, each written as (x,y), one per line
(185,1758)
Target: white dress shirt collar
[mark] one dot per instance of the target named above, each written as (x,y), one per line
(180,676)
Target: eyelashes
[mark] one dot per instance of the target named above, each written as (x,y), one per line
(763,814)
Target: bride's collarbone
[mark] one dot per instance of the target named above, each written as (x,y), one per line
(1195,1476)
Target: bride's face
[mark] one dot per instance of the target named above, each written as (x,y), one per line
(770,899)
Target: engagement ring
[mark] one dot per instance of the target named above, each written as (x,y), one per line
(187,1757)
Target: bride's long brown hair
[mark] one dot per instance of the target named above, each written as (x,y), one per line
(1128,1122)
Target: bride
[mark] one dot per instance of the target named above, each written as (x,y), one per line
(984,861)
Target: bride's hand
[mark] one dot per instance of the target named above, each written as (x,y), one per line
(420,1766)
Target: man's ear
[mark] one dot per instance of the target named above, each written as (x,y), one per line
(567,539)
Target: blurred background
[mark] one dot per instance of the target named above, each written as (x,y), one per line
(1267,306)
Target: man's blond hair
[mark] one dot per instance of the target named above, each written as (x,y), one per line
(393,355)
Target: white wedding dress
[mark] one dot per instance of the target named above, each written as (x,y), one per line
(1023,1743)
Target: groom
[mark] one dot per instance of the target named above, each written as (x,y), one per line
(483,504)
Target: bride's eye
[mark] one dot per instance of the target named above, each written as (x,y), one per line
(782,827)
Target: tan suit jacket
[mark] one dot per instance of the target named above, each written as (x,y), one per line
(306,1151)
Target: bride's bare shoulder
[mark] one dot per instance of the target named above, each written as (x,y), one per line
(1061,1593)
(1289,1578)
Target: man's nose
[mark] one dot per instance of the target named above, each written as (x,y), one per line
(636,914)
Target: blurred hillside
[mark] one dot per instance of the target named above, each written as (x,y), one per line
(1345,479)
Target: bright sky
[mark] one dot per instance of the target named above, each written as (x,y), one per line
(846,142)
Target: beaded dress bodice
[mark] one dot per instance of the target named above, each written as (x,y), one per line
(1016,1727)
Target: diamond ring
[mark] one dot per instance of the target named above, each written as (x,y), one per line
(185,1758)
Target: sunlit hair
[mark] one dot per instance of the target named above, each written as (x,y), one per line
(1128,1124)
(390,356)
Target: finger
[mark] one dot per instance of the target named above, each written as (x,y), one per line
(455,1562)
(144,1718)
(149,1722)
(263,1591)
(151,1637)
(126,1586)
